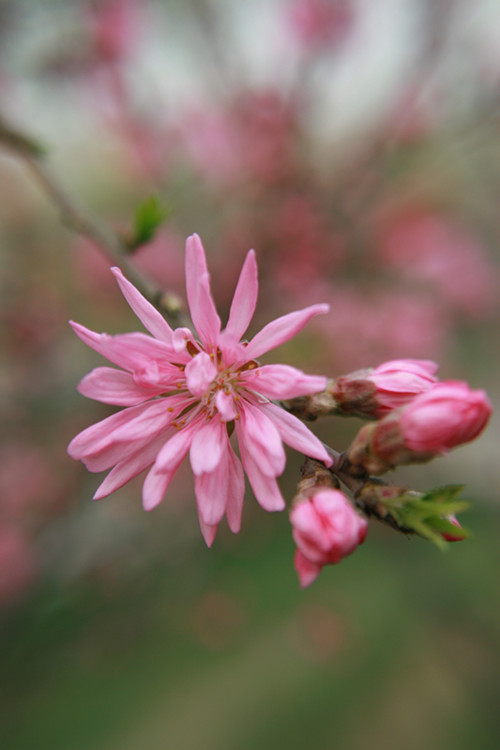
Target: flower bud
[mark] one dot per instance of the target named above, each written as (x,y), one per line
(446,416)
(373,393)
(326,528)
(457,536)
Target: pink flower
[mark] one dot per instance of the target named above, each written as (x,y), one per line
(377,392)
(326,528)
(446,416)
(184,395)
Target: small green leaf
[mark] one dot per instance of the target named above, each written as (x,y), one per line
(148,217)
(428,514)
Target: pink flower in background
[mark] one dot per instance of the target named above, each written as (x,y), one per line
(446,416)
(319,22)
(114,27)
(429,248)
(17,563)
(373,324)
(184,395)
(326,528)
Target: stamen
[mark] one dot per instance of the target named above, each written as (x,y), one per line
(192,349)
(252,365)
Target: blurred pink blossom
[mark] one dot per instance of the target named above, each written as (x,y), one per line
(427,247)
(326,528)
(185,395)
(27,480)
(379,324)
(321,22)
(253,139)
(17,563)
(114,25)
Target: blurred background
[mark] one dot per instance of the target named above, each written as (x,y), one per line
(356,146)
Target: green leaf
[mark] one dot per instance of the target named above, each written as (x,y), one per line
(428,514)
(148,217)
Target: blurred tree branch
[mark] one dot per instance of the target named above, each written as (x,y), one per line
(32,154)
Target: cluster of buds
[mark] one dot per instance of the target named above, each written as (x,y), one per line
(414,419)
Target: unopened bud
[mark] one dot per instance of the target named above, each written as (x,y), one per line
(457,536)
(434,422)
(326,528)
(373,393)
(446,416)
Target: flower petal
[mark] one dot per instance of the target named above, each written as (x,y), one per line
(295,434)
(307,570)
(225,405)
(208,533)
(199,374)
(99,435)
(245,298)
(282,329)
(128,468)
(132,351)
(235,491)
(149,316)
(262,440)
(211,495)
(155,485)
(221,491)
(167,462)
(282,381)
(201,304)
(207,447)
(113,439)
(265,488)
(177,447)
(115,387)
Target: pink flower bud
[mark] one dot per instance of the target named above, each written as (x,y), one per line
(399,381)
(375,393)
(458,536)
(326,528)
(446,416)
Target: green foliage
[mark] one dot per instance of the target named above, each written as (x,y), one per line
(429,514)
(149,215)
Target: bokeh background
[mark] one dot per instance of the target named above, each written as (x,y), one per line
(356,146)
